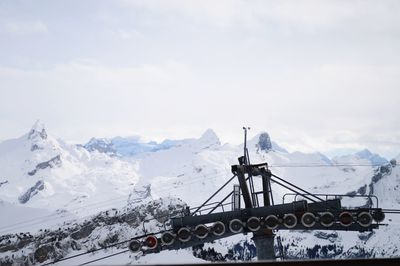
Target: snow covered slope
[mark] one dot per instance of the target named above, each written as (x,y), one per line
(37,170)
(47,183)
(129,146)
(383,242)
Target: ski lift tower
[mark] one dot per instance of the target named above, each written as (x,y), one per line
(307,211)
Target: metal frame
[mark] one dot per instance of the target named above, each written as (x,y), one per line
(336,196)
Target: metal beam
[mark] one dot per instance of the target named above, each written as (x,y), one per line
(239,171)
(281,209)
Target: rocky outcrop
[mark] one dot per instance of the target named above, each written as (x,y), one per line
(106,228)
(264,142)
(24,198)
(327,235)
(3,183)
(101,145)
(36,147)
(380,172)
(37,131)
(53,162)
(242,251)
(139,194)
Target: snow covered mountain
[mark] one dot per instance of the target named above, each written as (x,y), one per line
(129,146)
(365,154)
(39,171)
(47,184)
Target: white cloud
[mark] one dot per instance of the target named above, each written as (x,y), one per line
(331,107)
(23,27)
(306,71)
(126,34)
(221,13)
(304,15)
(87,94)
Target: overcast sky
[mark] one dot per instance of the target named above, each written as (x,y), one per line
(317,75)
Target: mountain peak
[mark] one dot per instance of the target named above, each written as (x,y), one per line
(364,153)
(101,144)
(372,157)
(37,129)
(264,141)
(209,136)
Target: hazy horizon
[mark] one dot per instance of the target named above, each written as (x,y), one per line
(251,134)
(316,75)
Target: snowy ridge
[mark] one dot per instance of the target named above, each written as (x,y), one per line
(106,228)
(41,172)
(364,155)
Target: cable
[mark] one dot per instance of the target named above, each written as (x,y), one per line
(54,214)
(87,252)
(38,220)
(324,165)
(102,258)
(115,244)
(215,193)
(98,249)
(291,184)
(41,220)
(393,211)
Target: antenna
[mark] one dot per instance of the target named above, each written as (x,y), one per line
(245,151)
(246,161)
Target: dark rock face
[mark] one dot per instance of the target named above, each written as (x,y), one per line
(48,245)
(53,162)
(327,251)
(24,198)
(331,236)
(379,173)
(294,251)
(358,252)
(264,142)
(208,254)
(37,133)
(243,251)
(362,190)
(365,235)
(351,193)
(36,147)
(385,169)
(83,232)
(111,239)
(41,253)
(3,183)
(100,145)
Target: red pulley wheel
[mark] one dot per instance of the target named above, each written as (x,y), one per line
(151,242)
